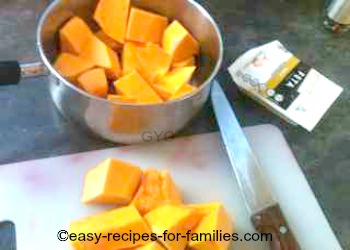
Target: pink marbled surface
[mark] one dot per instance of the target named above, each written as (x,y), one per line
(42,196)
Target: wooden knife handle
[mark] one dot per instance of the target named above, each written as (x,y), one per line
(271,221)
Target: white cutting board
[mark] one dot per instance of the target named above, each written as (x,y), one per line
(41,197)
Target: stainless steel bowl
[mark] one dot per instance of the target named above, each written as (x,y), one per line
(130,123)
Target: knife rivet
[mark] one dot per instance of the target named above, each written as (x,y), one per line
(283,230)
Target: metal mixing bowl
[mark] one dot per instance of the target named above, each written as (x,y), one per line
(130,123)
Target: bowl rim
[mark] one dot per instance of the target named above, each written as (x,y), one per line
(54,72)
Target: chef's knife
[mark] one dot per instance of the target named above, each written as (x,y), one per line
(265,212)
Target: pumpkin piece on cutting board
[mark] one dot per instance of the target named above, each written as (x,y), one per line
(204,209)
(94,82)
(173,220)
(110,42)
(191,61)
(215,218)
(145,26)
(129,57)
(133,85)
(179,42)
(118,221)
(74,35)
(171,83)
(112,17)
(121,98)
(102,56)
(152,62)
(151,246)
(71,66)
(185,90)
(111,182)
(156,189)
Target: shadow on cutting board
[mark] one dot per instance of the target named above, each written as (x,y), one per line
(7,235)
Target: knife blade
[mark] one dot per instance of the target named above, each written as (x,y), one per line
(265,211)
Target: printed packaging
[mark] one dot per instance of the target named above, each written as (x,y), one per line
(280,81)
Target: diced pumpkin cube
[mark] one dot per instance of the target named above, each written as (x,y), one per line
(133,85)
(112,17)
(94,82)
(174,219)
(121,98)
(115,71)
(110,42)
(204,209)
(162,91)
(145,26)
(156,189)
(152,246)
(185,63)
(216,219)
(118,221)
(171,83)
(185,90)
(97,52)
(74,35)
(111,182)
(77,245)
(71,66)
(153,62)
(179,42)
(102,56)
(129,57)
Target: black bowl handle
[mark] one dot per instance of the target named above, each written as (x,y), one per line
(11,72)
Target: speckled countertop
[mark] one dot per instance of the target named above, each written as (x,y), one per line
(31,127)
